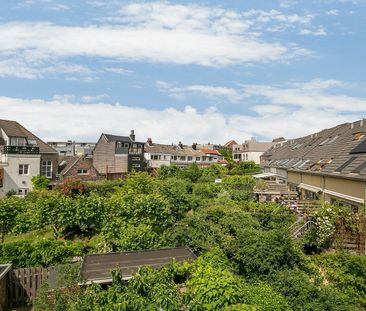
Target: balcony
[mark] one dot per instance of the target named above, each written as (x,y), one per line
(21,150)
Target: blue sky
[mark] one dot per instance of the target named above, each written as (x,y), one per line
(191,71)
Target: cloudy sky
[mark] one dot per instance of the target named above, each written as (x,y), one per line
(205,71)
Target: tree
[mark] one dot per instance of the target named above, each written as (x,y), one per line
(40,182)
(245,168)
(192,172)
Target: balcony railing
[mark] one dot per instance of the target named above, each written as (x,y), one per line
(21,150)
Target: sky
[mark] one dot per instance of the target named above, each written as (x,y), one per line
(200,71)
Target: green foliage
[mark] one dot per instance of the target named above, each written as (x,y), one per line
(40,182)
(168,171)
(307,292)
(245,168)
(104,187)
(191,172)
(261,253)
(347,273)
(240,188)
(206,190)
(47,252)
(9,210)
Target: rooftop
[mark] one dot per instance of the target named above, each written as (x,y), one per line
(98,267)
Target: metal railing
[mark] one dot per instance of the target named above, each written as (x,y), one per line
(21,150)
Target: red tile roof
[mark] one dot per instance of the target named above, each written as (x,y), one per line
(210,151)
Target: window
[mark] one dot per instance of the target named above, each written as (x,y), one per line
(125,145)
(18,141)
(210,158)
(175,158)
(136,159)
(155,157)
(23,191)
(246,157)
(182,158)
(190,158)
(23,169)
(198,159)
(46,169)
(82,171)
(136,165)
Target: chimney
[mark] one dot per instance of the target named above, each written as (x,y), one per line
(132,135)
(180,145)
(194,146)
(149,141)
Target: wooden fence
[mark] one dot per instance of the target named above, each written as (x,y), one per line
(24,284)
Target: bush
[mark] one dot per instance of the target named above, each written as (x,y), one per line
(40,182)
(44,253)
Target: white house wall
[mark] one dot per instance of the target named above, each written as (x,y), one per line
(12,179)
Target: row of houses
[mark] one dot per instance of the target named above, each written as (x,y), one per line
(23,156)
(328,165)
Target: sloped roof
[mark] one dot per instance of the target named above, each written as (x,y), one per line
(230,143)
(110,137)
(70,162)
(172,150)
(326,152)
(98,267)
(14,129)
(210,151)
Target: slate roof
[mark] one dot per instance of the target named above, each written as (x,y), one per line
(117,138)
(98,267)
(14,129)
(326,152)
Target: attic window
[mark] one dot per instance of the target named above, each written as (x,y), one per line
(358,136)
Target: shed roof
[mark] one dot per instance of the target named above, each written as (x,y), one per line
(97,268)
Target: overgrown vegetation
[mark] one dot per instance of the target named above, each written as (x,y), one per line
(247,257)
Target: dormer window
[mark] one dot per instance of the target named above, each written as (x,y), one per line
(18,141)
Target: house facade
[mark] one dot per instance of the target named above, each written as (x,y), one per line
(77,168)
(23,156)
(181,155)
(329,165)
(114,156)
(250,150)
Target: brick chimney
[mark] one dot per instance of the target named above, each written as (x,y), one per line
(194,146)
(149,141)
(132,135)
(180,145)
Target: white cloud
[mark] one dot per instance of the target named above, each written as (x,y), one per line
(333,12)
(214,92)
(154,32)
(291,110)
(313,32)
(317,95)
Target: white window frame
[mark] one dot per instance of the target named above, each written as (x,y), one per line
(134,165)
(83,171)
(46,169)
(23,169)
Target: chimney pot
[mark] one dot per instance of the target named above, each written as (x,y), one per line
(149,141)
